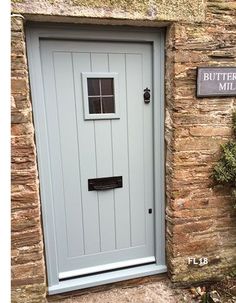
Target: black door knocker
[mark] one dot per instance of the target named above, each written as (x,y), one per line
(146,95)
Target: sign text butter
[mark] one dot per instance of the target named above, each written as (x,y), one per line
(216,81)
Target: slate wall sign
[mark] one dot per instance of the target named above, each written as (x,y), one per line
(216,81)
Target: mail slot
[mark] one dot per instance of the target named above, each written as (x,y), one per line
(105,183)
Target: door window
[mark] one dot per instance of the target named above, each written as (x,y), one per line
(100,95)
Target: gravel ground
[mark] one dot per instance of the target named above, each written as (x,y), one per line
(153,289)
(158,292)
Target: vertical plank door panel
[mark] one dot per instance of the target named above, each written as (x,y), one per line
(87,155)
(56,174)
(120,156)
(69,152)
(99,63)
(136,153)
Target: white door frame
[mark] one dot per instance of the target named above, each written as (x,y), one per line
(155,36)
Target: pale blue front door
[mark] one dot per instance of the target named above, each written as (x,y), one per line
(98,126)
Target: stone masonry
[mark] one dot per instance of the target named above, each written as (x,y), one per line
(28,273)
(200,219)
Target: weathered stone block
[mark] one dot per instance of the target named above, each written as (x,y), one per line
(16,25)
(24,199)
(211,131)
(29,293)
(20,116)
(22,101)
(21,128)
(197,144)
(26,238)
(28,271)
(27,254)
(24,177)
(24,219)
(19,85)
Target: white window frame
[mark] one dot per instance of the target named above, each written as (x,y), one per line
(87,115)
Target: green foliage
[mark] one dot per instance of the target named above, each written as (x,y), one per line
(206,298)
(234,123)
(233,273)
(225,170)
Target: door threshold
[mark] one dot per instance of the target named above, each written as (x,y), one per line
(106,278)
(102,268)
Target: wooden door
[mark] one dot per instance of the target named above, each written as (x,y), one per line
(99,126)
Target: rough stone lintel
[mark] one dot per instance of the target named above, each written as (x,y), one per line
(155,10)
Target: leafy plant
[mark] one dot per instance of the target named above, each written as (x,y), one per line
(206,298)
(225,169)
(234,123)
(233,273)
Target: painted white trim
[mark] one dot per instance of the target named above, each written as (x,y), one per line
(106,278)
(87,115)
(100,268)
(154,36)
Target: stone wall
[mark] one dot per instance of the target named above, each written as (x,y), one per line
(28,273)
(201,221)
(200,218)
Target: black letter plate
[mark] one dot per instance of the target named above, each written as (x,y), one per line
(105,183)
